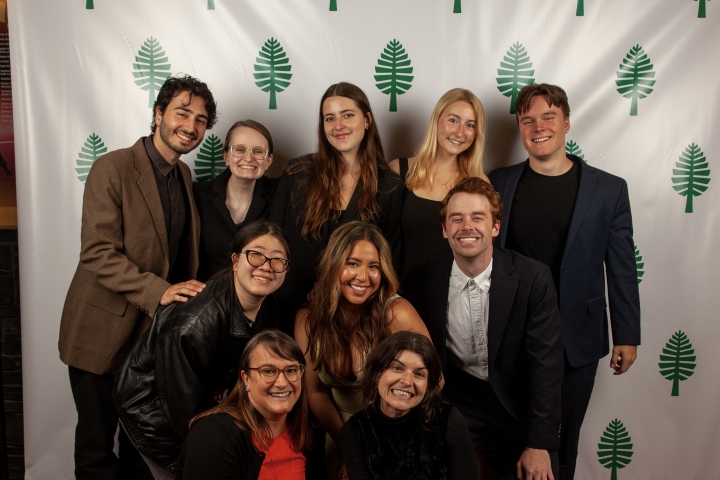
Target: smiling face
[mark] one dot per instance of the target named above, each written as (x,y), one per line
(403,385)
(457,128)
(247,167)
(181,127)
(344,125)
(276,399)
(543,129)
(258,282)
(469,226)
(361,275)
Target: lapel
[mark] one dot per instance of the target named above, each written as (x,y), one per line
(350,213)
(511,181)
(586,191)
(259,198)
(220,196)
(148,187)
(502,296)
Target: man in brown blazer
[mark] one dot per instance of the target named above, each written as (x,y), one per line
(139,250)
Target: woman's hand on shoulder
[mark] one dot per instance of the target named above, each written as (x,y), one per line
(404,317)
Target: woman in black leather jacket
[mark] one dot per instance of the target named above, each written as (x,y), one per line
(188,359)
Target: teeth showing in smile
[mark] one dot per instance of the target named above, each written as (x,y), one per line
(467,239)
(184,137)
(280,395)
(457,143)
(402,393)
(541,139)
(247,167)
(357,288)
(261,279)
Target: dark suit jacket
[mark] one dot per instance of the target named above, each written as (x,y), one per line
(525,353)
(599,241)
(124,260)
(217,227)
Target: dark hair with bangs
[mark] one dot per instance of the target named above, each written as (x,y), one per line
(555,96)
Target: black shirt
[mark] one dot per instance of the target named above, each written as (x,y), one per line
(540,216)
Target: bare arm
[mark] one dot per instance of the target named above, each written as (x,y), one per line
(318,393)
(403,317)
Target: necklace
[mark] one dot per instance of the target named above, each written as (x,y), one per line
(444,184)
(354,182)
(292,459)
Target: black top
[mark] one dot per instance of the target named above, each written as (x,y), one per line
(420,228)
(540,216)
(287,210)
(217,228)
(377,447)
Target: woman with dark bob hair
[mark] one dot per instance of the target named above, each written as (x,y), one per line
(354,307)
(261,428)
(406,430)
(346,179)
(188,358)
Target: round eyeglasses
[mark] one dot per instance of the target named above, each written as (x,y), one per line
(257,259)
(270,373)
(239,152)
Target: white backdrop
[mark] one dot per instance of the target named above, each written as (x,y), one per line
(72,72)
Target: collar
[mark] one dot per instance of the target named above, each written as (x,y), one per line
(460,280)
(161,164)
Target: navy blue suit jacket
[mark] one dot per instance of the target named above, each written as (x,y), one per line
(599,243)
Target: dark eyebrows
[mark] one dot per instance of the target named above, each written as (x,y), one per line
(401,363)
(184,108)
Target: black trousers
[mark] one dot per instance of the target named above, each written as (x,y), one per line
(95,432)
(491,426)
(577,388)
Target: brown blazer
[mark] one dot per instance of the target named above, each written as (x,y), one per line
(124,260)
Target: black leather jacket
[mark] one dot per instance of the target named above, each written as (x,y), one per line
(189,355)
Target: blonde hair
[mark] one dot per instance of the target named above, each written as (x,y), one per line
(469,162)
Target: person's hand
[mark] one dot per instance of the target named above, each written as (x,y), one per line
(181,291)
(622,358)
(342,473)
(534,464)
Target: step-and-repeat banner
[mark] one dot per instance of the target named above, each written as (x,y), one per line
(643,79)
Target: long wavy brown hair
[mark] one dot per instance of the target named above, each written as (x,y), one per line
(321,188)
(237,404)
(329,327)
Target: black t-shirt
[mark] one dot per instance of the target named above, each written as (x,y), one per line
(540,216)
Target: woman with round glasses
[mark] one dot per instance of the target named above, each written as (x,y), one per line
(346,179)
(188,358)
(261,428)
(238,196)
(406,430)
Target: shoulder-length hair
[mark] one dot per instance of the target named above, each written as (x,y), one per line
(247,418)
(330,330)
(384,354)
(321,188)
(470,162)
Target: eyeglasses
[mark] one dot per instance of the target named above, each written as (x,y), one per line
(270,373)
(257,259)
(238,151)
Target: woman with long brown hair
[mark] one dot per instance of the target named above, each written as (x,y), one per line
(354,307)
(346,179)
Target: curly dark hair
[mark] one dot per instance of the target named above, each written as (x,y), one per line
(174,86)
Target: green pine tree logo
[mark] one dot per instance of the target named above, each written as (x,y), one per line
(274,70)
(515,72)
(573,148)
(394,72)
(209,162)
(89,5)
(634,77)
(692,175)
(92,149)
(151,69)
(615,449)
(676,361)
(580,11)
(333,5)
(457,7)
(211,4)
(639,265)
(701,8)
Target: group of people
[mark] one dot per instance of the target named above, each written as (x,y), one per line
(354,318)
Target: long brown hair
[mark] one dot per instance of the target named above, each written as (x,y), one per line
(321,188)
(247,418)
(330,330)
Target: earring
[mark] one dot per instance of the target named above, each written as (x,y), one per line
(247,388)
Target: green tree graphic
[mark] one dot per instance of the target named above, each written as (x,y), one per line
(92,149)
(89,5)
(209,162)
(580,8)
(211,4)
(701,8)
(634,77)
(676,362)
(639,265)
(692,175)
(274,76)
(573,148)
(457,7)
(333,5)
(151,69)
(615,449)
(515,72)
(394,69)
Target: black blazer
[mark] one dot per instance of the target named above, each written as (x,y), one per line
(525,353)
(599,243)
(217,228)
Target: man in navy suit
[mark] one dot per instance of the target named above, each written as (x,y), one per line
(493,317)
(575,219)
